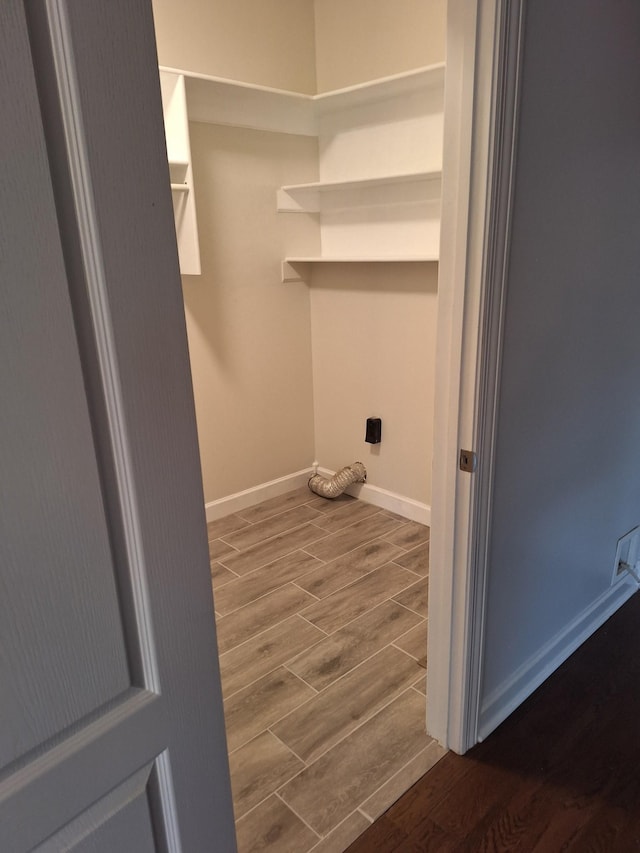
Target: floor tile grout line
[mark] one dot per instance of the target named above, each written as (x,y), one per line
(335,745)
(304,681)
(271,627)
(299,816)
(349,583)
(275,625)
(391,778)
(299,757)
(422,616)
(395,562)
(264,595)
(266,541)
(417,660)
(260,542)
(350,815)
(364,660)
(319,692)
(302,589)
(362,722)
(290,660)
(374,512)
(404,588)
(355,548)
(279,533)
(351,550)
(344,674)
(273,515)
(275,723)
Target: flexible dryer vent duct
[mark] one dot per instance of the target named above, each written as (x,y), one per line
(335,486)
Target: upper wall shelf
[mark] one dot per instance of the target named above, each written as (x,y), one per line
(217,100)
(313,197)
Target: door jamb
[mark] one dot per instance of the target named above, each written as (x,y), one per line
(484,49)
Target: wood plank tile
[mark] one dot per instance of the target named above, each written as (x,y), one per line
(414,642)
(253,618)
(274,506)
(273,828)
(266,652)
(410,535)
(330,716)
(218,548)
(346,516)
(215,529)
(264,580)
(221,576)
(257,769)
(388,793)
(252,710)
(348,540)
(416,598)
(421,685)
(341,652)
(339,839)
(416,560)
(265,552)
(329,789)
(329,504)
(335,611)
(342,571)
(270,527)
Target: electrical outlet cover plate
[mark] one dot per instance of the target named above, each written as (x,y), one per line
(627,551)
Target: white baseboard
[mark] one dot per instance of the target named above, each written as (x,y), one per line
(406,507)
(514,690)
(257,494)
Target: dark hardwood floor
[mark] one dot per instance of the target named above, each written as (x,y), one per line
(562,773)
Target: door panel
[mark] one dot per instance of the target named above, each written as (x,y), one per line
(54,548)
(119,821)
(111,726)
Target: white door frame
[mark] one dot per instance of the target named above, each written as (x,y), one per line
(484,40)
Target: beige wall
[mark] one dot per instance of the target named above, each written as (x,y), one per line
(270,42)
(373,329)
(358,40)
(249,334)
(374,326)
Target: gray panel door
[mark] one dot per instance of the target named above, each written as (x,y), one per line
(111,726)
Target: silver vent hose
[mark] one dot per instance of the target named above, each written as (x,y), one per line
(335,486)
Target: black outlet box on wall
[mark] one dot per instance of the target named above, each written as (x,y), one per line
(373,434)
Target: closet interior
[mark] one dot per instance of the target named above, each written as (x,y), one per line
(305,155)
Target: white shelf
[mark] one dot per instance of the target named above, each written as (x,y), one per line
(176,125)
(218,100)
(385,88)
(313,197)
(297,269)
(380,159)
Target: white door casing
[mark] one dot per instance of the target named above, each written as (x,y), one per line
(112,732)
(484,42)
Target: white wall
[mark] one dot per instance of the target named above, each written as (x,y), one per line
(359,40)
(373,330)
(568,456)
(249,335)
(374,325)
(270,42)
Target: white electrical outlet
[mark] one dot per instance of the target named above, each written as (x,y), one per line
(627,556)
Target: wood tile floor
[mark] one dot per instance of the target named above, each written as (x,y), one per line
(321,614)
